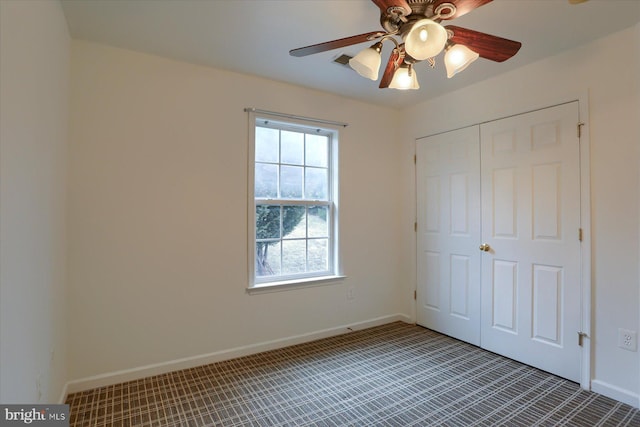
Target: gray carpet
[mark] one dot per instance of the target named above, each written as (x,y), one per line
(391,375)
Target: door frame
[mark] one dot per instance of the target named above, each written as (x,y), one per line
(585,220)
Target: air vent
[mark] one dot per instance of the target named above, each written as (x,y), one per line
(343,59)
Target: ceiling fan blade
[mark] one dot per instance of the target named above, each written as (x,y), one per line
(385,5)
(487,46)
(392,65)
(335,44)
(462,6)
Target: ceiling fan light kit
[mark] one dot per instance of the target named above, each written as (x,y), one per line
(425,39)
(404,78)
(457,58)
(367,62)
(417,24)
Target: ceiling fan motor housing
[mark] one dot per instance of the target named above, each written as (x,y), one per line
(422,33)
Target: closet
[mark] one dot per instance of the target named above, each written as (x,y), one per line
(498,237)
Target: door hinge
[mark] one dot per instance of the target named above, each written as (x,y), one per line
(580,124)
(415,159)
(580,234)
(415,295)
(581,337)
(415,226)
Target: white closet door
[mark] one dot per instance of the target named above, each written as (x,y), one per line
(530,220)
(448,202)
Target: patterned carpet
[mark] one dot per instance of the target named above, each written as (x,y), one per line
(391,375)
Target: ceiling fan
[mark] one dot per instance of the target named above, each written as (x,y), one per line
(422,37)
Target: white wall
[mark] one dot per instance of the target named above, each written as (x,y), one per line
(614,116)
(156,212)
(157,188)
(34,73)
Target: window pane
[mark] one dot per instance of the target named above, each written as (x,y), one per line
(316,150)
(294,222)
(267,222)
(318,255)
(267,145)
(293,197)
(316,184)
(292,148)
(318,221)
(268,259)
(291,182)
(266,180)
(293,256)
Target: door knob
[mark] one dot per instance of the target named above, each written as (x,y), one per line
(485,247)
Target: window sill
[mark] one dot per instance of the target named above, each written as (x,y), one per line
(288,285)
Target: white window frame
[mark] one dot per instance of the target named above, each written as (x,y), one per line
(333,272)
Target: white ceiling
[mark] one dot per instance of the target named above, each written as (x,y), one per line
(255,36)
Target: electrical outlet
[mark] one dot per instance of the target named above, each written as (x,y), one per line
(351,293)
(627,339)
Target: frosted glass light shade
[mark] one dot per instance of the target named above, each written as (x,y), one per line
(404,79)
(457,58)
(425,40)
(367,62)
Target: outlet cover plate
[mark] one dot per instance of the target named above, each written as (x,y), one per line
(627,339)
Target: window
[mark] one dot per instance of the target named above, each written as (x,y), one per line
(293,202)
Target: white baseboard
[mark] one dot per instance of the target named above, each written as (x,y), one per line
(63,394)
(218,356)
(614,392)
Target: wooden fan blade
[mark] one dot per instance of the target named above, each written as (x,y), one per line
(392,65)
(487,46)
(335,44)
(462,6)
(385,5)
